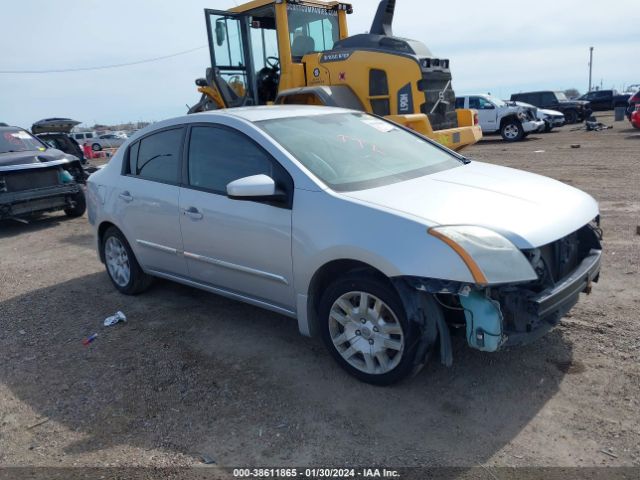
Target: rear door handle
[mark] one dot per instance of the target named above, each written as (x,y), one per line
(193,212)
(126,196)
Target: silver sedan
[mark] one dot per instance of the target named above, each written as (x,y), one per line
(369,235)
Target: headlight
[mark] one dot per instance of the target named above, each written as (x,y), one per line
(490,257)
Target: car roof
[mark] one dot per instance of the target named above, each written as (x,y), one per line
(257,114)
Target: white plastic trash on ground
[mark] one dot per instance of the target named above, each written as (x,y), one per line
(113,319)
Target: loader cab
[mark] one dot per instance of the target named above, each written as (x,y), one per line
(257,48)
(244,55)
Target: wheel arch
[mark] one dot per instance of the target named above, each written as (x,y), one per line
(329,96)
(323,276)
(102,228)
(511,116)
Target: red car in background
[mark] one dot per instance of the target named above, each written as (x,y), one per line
(635,117)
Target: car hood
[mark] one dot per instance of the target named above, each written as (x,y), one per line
(574,103)
(32,156)
(528,209)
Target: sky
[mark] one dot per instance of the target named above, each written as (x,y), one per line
(498,46)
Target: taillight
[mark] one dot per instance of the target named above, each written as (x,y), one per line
(475,119)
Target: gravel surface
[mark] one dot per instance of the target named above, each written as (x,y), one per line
(191,373)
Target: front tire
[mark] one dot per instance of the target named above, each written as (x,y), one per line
(79,205)
(365,328)
(571,116)
(512,131)
(122,267)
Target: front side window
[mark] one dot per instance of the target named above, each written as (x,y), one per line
(485,104)
(218,156)
(157,156)
(312,29)
(355,151)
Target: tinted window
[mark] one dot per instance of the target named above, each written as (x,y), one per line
(548,98)
(218,156)
(157,156)
(474,102)
(459,102)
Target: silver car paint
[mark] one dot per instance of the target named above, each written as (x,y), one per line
(384,227)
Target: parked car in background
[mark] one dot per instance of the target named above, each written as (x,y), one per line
(634,100)
(82,137)
(606,99)
(36,178)
(55,133)
(496,116)
(573,110)
(373,237)
(635,117)
(551,118)
(108,140)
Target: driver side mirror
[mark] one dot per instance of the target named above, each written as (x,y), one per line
(488,106)
(201,82)
(255,187)
(221,32)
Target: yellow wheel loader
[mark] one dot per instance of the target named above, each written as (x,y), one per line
(299,51)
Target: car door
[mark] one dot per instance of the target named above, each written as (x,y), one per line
(237,245)
(486,116)
(147,203)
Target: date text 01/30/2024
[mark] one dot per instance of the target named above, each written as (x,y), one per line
(315,473)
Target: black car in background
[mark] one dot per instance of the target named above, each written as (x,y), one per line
(55,133)
(606,99)
(35,178)
(573,110)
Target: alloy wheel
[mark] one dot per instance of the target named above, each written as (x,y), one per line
(366,332)
(117,261)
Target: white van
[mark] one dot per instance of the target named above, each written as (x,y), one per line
(82,137)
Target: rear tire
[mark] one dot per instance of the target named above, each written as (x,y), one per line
(512,131)
(376,344)
(96,147)
(122,267)
(79,207)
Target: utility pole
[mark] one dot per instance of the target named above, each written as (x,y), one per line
(590,65)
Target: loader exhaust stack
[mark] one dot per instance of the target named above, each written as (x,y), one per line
(384,18)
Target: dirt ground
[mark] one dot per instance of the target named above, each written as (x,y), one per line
(193,373)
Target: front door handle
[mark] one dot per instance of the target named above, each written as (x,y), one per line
(126,196)
(193,212)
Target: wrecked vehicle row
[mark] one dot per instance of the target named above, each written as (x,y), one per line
(35,178)
(373,237)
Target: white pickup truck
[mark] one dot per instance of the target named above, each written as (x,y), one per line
(511,121)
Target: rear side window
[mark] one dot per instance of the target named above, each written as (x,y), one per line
(157,157)
(218,156)
(460,102)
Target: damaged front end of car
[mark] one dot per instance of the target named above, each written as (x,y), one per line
(43,186)
(493,313)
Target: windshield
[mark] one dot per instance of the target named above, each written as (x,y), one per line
(356,151)
(16,140)
(561,96)
(497,102)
